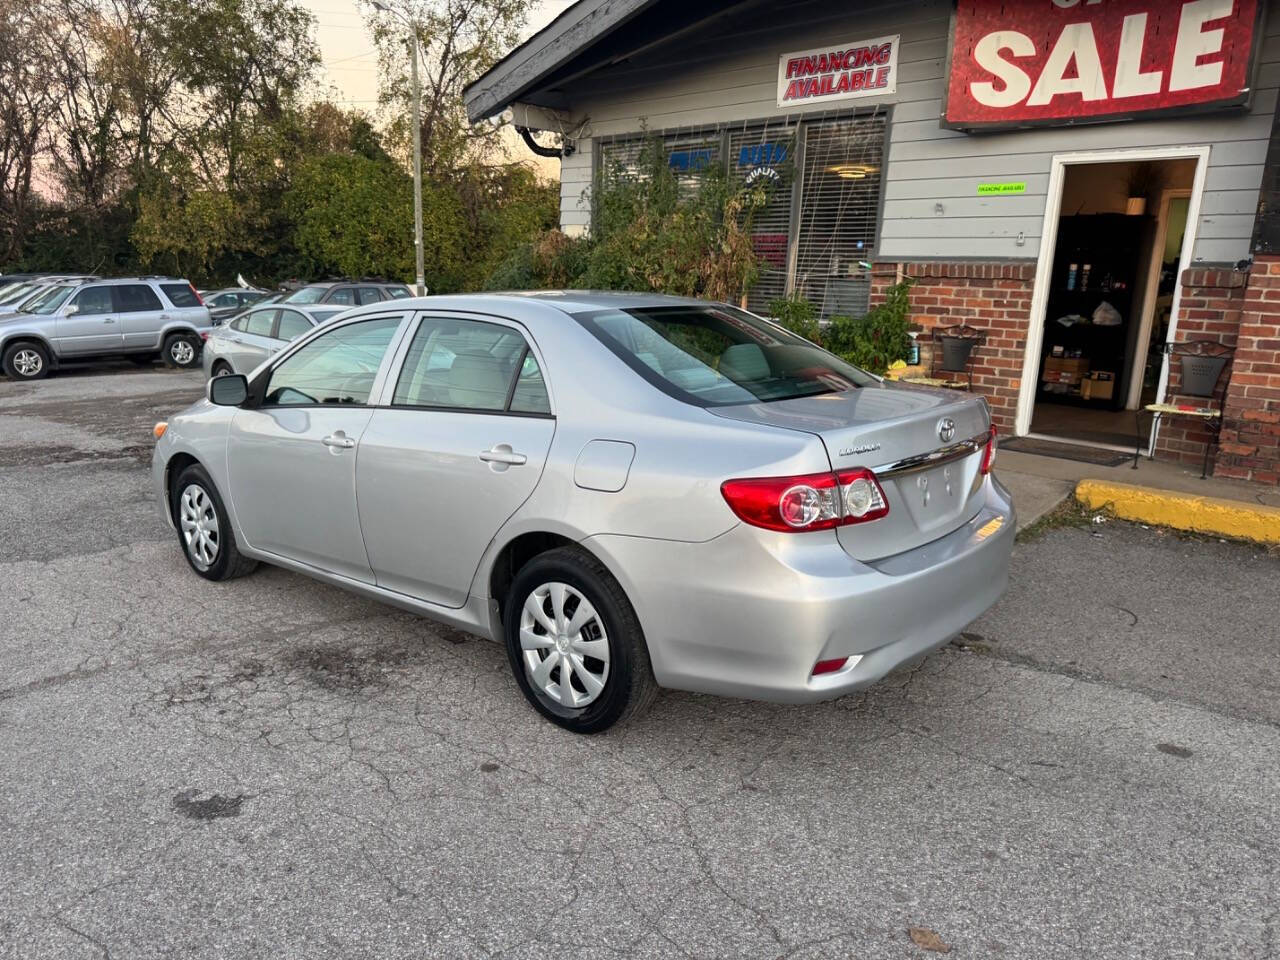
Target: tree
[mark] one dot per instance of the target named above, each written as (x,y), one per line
(353,216)
(460,40)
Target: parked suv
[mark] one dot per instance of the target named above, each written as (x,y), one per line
(348,293)
(139,317)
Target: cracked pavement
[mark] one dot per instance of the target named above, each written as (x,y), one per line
(271,767)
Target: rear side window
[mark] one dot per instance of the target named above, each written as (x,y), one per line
(93,301)
(136,298)
(719,356)
(260,322)
(368,295)
(460,365)
(343,295)
(292,325)
(181,295)
(337,367)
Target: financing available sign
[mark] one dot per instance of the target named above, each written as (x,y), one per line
(1029,62)
(839,71)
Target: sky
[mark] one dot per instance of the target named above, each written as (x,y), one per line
(350,62)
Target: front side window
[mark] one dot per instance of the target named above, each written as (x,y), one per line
(292,325)
(344,295)
(461,365)
(718,356)
(136,298)
(338,367)
(93,301)
(368,295)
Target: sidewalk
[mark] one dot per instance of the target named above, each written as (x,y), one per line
(1157,492)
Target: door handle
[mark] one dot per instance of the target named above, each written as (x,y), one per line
(501,453)
(109,320)
(339,440)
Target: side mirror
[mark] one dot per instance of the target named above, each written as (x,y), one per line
(229,390)
(71,311)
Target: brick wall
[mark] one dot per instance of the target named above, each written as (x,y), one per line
(1209,309)
(1251,421)
(994,297)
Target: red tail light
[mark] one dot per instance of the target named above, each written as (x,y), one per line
(989,452)
(829,666)
(815,501)
(196,293)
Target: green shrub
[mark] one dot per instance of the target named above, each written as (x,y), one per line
(798,315)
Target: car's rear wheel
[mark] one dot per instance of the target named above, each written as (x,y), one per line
(204,530)
(575,643)
(182,350)
(26,361)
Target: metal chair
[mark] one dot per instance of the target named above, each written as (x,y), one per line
(952,357)
(1201,367)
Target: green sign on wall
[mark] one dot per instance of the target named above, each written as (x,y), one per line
(987,189)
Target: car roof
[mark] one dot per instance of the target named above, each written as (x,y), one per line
(570,301)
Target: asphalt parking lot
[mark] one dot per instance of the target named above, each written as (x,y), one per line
(271,767)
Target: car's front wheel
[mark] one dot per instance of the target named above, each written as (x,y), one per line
(26,361)
(575,643)
(204,531)
(221,368)
(182,350)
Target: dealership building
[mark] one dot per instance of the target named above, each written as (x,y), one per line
(1081,186)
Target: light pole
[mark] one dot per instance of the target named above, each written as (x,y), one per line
(421,286)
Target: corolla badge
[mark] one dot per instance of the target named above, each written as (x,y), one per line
(860,448)
(946,429)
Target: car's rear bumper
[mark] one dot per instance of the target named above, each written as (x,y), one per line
(749,613)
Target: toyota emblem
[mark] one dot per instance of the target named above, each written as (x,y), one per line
(946,429)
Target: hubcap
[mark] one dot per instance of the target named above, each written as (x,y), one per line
(182,352)
(27,362)
(199,522)
(563,645)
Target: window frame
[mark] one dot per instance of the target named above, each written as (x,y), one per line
(117,299)
(530,348)
(250,314)
(258,386)
(111,311)
(280,312)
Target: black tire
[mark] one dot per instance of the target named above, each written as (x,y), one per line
(629,687)
(176,352)
(220,369)
(27,360)
(227,563)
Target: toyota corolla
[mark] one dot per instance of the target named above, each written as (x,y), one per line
(628,491)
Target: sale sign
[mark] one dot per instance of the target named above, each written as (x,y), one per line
(840,71)
(1027,62)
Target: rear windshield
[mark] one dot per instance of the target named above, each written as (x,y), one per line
(180,294)
(716,356)
(305,295)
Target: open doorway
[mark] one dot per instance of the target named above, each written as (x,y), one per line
(1107,283)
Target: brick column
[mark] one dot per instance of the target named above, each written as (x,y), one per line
(1251,421)
(1209,309)
(993,297)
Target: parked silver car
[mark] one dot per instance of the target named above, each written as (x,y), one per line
(141,318)
(230,301)
(241,344)
(628,491)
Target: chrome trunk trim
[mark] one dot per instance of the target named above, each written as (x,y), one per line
(924,461)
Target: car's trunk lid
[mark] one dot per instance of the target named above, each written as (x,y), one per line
(896,431)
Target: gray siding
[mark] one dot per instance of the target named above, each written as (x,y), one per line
(702,80)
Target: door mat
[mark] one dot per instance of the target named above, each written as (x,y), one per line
(1066,451)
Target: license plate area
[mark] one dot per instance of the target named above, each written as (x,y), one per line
(936,496)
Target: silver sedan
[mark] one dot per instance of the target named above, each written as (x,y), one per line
(629,492)
(242,343)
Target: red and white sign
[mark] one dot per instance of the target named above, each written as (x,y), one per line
(1024,62)
(840,71)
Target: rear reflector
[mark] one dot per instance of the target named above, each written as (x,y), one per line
(989,451)
(829,666)
(815,501)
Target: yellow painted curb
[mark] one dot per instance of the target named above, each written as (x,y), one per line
(1183,511)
